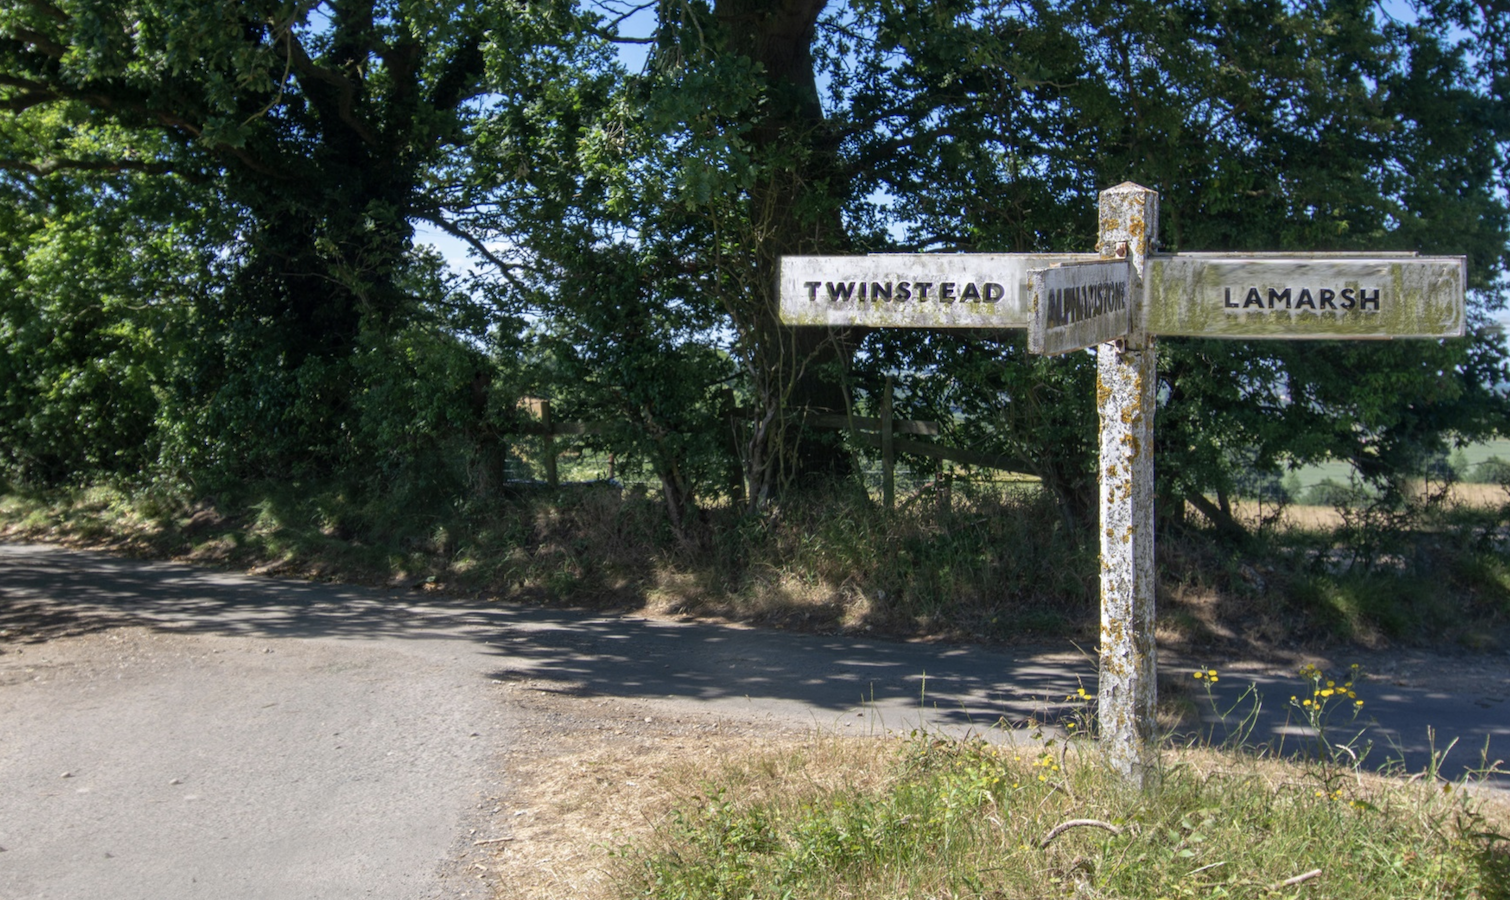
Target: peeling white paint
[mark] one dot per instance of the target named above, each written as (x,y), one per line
(1125,382)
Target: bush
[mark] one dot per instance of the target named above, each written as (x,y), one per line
(1329,492)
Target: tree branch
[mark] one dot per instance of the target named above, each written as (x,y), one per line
(506,268)
(50,166)
(460,73)
(345,88)
(1224,522)
(23,102)
(48,10)
(25,83)
(42,42)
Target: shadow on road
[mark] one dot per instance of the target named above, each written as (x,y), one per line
(47,592)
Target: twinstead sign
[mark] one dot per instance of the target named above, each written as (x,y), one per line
(920,290)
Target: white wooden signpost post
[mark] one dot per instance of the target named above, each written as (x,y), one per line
(1117,300)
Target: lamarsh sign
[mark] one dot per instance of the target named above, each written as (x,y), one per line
(1305,297)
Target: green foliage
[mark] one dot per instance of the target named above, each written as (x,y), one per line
(984,562)
(1330,492)
(96,282)
(1321,126)
(290,148)
(230,190)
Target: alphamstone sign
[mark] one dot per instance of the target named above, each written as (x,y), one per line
(1079,305)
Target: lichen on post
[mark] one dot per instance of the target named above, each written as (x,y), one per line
(1125,386)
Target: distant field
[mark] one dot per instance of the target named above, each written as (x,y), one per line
(1341,471)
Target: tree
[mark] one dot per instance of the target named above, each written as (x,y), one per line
(320,126)
(638,217)
(96,279)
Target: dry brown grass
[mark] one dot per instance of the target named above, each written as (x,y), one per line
(596,775)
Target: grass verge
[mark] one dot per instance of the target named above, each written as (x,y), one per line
(930,818)
(1001,566)
(991,563)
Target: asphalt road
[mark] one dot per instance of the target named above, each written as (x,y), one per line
(174,732)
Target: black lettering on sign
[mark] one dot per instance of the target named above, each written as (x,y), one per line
(1066,306)
(844,290)
(880,292)
(922,287)
(946,292)
(904,291)
(971,294)
(812,289)
(1305,297)
(994,292)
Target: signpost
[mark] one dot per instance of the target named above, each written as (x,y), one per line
(1118,299)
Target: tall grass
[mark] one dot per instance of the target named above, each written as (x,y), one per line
(969,819)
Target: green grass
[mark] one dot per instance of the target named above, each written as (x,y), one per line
(968,819)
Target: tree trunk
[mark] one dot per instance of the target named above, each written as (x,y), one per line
(798,205)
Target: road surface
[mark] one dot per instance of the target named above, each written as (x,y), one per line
(173,732)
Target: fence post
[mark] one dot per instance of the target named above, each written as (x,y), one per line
(888,451)
(549,443)
(1125,384)
(731,423)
